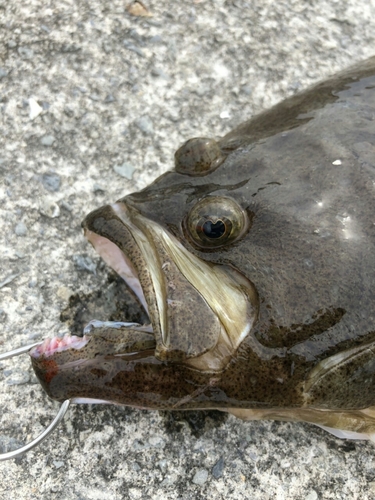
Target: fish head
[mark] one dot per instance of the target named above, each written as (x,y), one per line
(221,252)
(173,245)
(253,259)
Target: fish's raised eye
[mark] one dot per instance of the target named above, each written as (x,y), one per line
(198,156)
(216,221)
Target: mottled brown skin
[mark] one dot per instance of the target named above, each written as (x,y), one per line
(310,254)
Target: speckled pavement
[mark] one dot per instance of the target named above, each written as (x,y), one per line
(94,101)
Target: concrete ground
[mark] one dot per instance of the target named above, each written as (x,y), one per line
(94,101)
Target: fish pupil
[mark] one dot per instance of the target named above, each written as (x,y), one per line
(214,230)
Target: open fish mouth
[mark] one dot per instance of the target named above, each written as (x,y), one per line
(199,311)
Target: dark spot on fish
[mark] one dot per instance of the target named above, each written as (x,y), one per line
(281,336)
(98,372)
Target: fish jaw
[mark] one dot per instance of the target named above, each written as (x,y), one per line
(118,366)
(196,308)
(199,314)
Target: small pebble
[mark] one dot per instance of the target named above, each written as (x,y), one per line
(32,283)
(83,262)
(145,125)
(20,229)
(34,336)
(94,134)
(218,468)
(58,464)
(66,206)
(8,443)
(225,115)
(157,39)
(139,445)
(163,464)
(138,9)
(47,140)
(125,170)
(135,493)
(70,48)
(336,162)
(312,495)
(9,279)
(107,47)
(3,73)
(200,477)
(156,441)
(49,209)
(159,72)
(133,48)
(154,22)
(247,90)
(98,189)
(51,182)
(26,53)
(16,377)
(35,109)
(68,111)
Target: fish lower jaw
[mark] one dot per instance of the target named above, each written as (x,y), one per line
(53,345)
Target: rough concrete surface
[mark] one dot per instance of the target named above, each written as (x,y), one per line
(94,101)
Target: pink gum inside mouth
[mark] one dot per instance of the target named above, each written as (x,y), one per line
(58,344)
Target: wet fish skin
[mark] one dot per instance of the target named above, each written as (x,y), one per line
(304,175)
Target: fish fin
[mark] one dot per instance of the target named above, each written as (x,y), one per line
(91,401)
(339,433)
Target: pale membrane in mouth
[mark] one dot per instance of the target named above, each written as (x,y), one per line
(119,262)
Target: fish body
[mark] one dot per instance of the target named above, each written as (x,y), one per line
(255,260)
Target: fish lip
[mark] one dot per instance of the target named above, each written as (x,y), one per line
(125,257)
(141,268)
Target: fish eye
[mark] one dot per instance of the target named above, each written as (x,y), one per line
(216,221)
